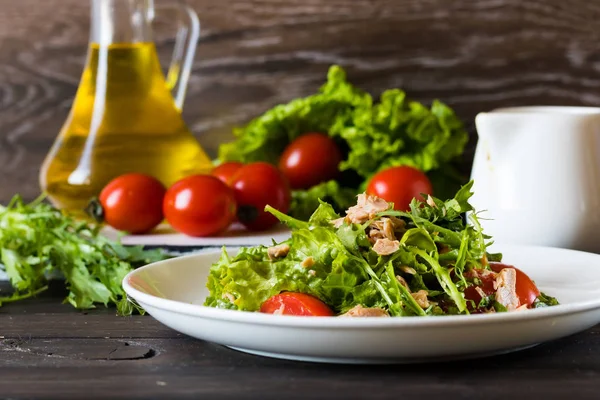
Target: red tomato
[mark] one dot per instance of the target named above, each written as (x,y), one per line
(487,285)
(309,160)
(400,185)
(226,171)
(199,205)
(133,203)
(256,185)
(527,291)
(290,303)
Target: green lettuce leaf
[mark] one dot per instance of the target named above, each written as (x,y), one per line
(393,132)
(399,132)
(37,241)
(305,202)
(265,137)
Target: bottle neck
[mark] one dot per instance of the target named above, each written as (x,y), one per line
(121,21)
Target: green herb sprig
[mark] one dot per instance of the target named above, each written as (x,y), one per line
(38,241)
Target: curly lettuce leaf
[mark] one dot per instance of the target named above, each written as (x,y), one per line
(266,136)
(397,132)
(37,241)
(305,202)
(393,132)
(250,277)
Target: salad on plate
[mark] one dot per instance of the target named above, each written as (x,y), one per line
(376,261)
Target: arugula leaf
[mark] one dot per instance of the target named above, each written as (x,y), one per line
(444,279)
(543,300)
(405,299)
(37,241)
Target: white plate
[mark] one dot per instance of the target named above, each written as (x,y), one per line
(236,235)
(173,291)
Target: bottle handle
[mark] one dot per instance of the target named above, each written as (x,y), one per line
(178,74)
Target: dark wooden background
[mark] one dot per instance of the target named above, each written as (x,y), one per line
(473,54)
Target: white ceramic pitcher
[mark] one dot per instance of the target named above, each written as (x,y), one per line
(537,176)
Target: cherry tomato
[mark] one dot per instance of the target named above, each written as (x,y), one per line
(256,185)
(527,291)
(400,185)
(226,171)
(309,160)
(132,203)
(487,286)
(199,205)
(291,303)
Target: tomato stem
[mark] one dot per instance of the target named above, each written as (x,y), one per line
(94,209)
(247,213)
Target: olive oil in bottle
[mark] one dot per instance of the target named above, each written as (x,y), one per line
(124,119)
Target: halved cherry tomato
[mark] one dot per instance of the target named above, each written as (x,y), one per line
(527,291)
(256,185)
(226,171)
(291,303)
(310,159)
(487,286)
(132,203)
(199,205)
(400,185)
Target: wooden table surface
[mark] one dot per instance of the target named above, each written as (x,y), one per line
(48,351)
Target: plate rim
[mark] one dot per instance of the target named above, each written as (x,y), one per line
(198,310)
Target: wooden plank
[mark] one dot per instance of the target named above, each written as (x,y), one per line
(78,325)
(47,317)
(186,368)
(475,55)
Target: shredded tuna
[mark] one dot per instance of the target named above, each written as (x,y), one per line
(484,260)
(279,251)
(375,234)
(397,223)
(408,270)
(385,247)
(402,281)
(506,292)
(480,292)
(421,299)
(229,297)
(366,208)
(338,222)
(308,262)
(430,201)
(280,310)
(360,311)
(384,227)
(479,273)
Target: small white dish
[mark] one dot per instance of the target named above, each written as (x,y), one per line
(236,235)
(173,291)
